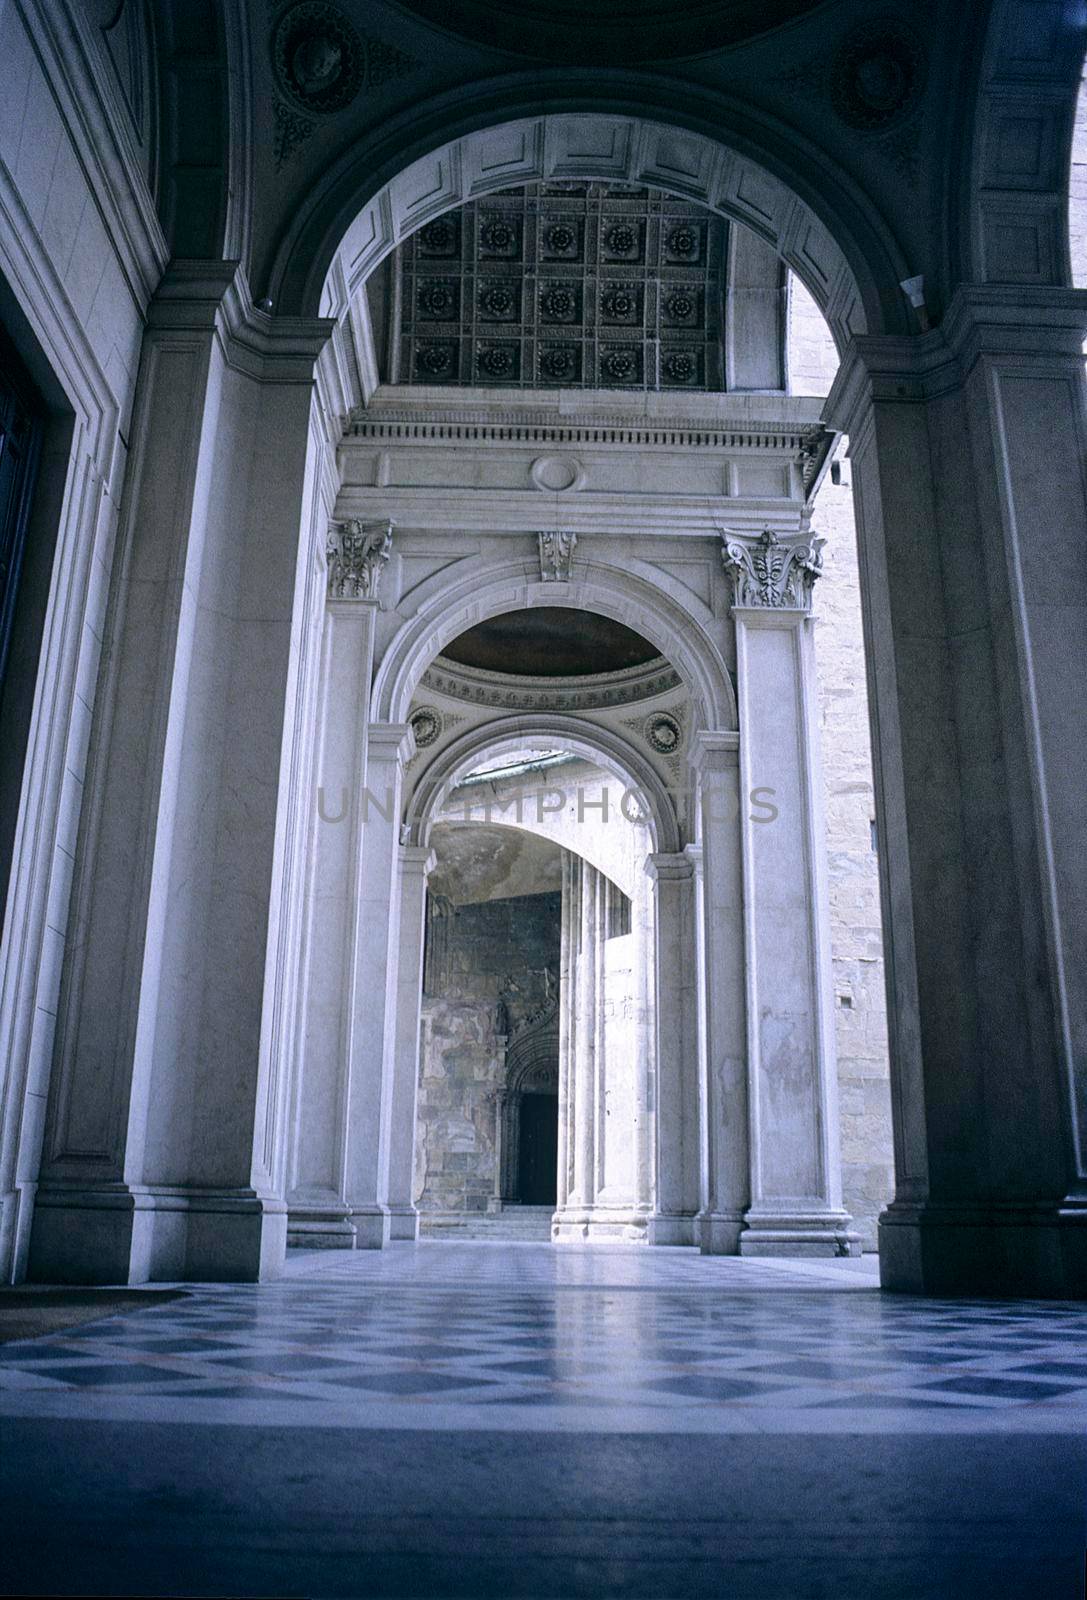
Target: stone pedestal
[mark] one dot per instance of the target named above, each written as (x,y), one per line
(975,597)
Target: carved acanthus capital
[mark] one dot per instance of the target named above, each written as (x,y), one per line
(556,554)
(358,553)
(767,572)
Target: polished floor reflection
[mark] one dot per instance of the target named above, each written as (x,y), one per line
(702,1426)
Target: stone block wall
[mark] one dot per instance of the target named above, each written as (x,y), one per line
(860,1005)
(499,961)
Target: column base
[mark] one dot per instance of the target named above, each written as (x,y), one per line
(1009,1249)
(618,1225)
(403,1223)
(371,1224)
(719,1232)
(311,1228)
(671,1229)
(119,1234)
(798,1233)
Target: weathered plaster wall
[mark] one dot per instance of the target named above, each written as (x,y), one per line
(493,951)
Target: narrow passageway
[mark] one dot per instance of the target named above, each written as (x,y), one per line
(447,1419)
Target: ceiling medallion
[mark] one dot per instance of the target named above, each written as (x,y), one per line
(877,75)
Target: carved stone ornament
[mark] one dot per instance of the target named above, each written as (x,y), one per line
(321,62)
(358,553)
(769,573)
(556,556)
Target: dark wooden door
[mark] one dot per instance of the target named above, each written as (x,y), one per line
(538,1155)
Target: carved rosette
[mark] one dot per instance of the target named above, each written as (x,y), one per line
(358,553)
(556,556)
(767,573)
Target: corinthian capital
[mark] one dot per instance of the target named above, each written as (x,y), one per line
(766,572)
(358,553)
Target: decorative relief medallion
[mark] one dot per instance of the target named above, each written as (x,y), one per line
(679,366)
(498,237)
(498,362)
(620,303)
(438,238)
(621,365)
(559,303)
(768,573)
(877,75)
(321,61)
(560,362)
(683,242)
(436,361)
(438,299)
(358,553)
(498,301)
(556,556)
(663,733)
(560,239)
(621,239)
(427,724)
(680,306)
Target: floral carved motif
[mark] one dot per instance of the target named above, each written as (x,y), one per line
(358,553)
(767,572)
(556,555)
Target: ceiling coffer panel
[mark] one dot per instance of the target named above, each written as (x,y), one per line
(564,285)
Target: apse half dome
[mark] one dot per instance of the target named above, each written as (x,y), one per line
(551,642)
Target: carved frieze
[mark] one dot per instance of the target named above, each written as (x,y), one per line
(510,693)
(556,556)
(358,553)
(766,572)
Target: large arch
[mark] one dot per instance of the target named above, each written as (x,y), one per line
(608,127)
(1011,218)
(580,736)
(681,630)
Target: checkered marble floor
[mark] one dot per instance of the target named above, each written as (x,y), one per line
(532,1337)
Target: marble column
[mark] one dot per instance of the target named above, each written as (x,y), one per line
(415,865)
(968,446)
(570,915)
(725,1149)
(371,998)
(317,1197)
(674,1175)
(796,1203)
(162,1156)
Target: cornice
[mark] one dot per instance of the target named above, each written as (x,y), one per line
(205,297)
(605,514)
(1022,324)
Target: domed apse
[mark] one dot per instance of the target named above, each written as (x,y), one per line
(551,642)
(611,30)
